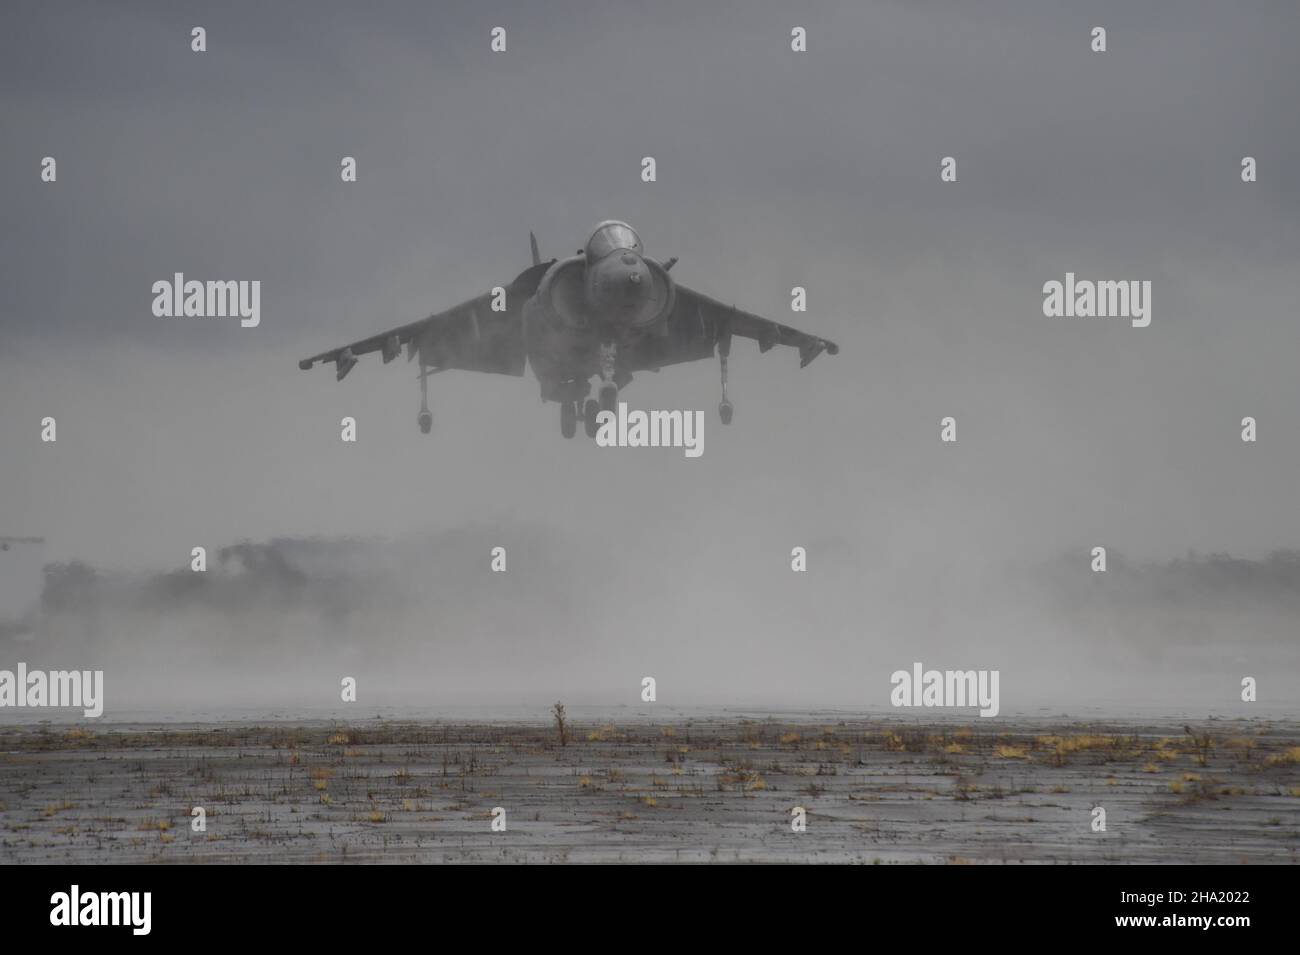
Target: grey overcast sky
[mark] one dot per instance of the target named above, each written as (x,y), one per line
(775,169)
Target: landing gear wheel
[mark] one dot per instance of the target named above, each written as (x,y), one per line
(589,412)
(609,396)
(426,416)
(568,418)
(725,411)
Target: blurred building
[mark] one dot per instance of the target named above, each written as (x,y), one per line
(22,562)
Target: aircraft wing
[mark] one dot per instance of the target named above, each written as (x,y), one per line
(470,336)
(698,323)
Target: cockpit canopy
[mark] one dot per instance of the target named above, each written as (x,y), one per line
(612,236)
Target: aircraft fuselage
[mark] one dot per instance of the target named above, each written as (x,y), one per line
(590,307)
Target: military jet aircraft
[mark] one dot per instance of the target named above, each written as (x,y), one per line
(607,311)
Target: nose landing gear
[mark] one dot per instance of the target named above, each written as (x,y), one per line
(608,386)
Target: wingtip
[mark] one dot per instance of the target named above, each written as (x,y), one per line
(809,352)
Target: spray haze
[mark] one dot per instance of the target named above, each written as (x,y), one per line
(373,560)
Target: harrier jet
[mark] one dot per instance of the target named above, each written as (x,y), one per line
(606,312)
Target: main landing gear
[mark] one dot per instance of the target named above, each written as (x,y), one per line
(606,400)
(568,418)
(575,404)
(570,395)
(590,411)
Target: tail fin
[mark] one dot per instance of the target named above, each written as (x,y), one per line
(532,240)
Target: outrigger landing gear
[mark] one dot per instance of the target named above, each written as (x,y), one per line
(426,416)
(725,409)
